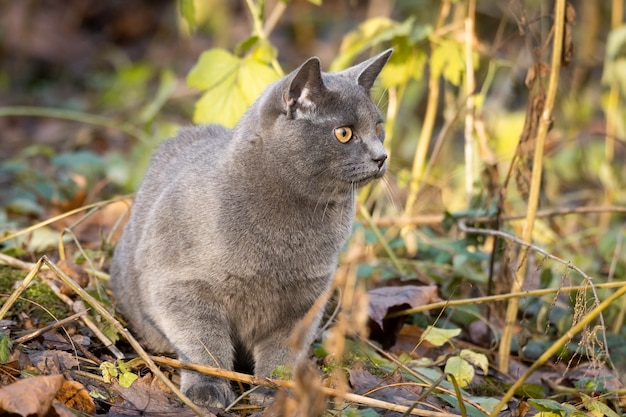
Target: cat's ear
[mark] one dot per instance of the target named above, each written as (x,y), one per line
(366,72)
(305,87)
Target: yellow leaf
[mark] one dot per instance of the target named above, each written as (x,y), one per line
(461,369)
(477,359)
(438,337)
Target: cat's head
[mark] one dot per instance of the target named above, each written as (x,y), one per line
(323,129)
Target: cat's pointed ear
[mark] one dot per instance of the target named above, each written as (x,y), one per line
(304,87)
(366,72)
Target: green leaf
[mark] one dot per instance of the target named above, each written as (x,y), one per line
(438,337)
(232,85)
(316,2)
(188,12)
(5,348)
(461,369)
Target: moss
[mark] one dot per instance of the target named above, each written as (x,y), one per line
(40,297)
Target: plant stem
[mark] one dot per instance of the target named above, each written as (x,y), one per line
(535,186)
(470,88)
(382,240)
(75,116)
(419,159)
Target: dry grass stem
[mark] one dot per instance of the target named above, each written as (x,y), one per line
(254,380)
(52,326)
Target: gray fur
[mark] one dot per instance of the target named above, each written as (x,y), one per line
(234,234)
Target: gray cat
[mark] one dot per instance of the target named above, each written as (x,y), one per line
(235,233)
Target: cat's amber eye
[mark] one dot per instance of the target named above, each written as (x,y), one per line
(343,134)
(379,129)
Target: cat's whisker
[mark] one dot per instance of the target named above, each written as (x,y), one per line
(319,199)
(388,192)
(328,202)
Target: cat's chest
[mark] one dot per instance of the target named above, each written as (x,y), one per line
(292,242)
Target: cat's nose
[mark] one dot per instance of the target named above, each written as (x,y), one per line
(380,159)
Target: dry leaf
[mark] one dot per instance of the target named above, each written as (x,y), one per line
(144,396)
(77,273)
(387,300)
(365,383)
(52,361)
(31,396)
(74,395)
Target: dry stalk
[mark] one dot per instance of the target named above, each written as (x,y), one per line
(504,351)
(255,380)
(49,327)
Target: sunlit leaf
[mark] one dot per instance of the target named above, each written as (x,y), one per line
(232,85)
(213,68)
(405,63)
(438,337)
(477,359)
(370,33)
(447,59)
(108,371)
(126,377)
(461,369)
(223,104)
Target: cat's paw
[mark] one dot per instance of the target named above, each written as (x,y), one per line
(261,397)
(217,395)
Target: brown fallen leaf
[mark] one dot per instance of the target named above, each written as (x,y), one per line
(31,396)
(74,271)
(74,395)
(387,300)
(365,383)
(144,397)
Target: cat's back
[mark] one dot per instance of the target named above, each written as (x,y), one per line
(179,167)
(177,154)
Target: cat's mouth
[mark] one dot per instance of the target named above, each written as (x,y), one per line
(366,179)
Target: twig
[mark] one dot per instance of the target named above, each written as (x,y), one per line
(470,88)
(255,380)
(60,217)
(428,219)
(381,239)
(500,297)
(49,327)
(428,123)
(75,116)
(504,351)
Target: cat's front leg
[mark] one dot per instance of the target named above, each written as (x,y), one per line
(199,332)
